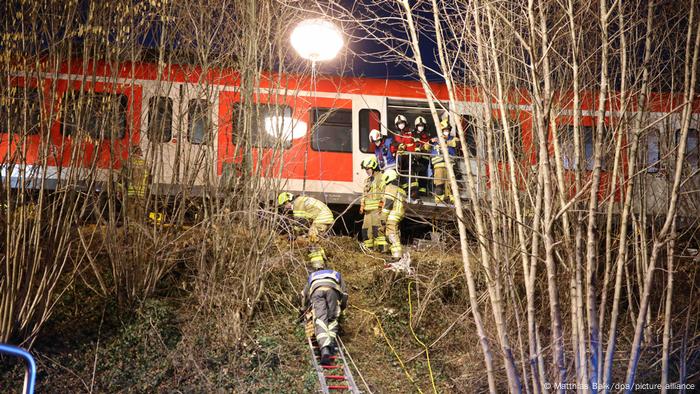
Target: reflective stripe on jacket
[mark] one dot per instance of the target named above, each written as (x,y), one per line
(394,199)
(325,278)
(386,154)
(311,209)
(137,181)
(372,194)
(437,159)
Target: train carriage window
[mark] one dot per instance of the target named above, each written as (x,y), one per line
(272,126)
(653,153)
(369,119)
(96,114)
(198,122)
(692,148)
(160,119)
(21,107)
(567,146)
(332,131)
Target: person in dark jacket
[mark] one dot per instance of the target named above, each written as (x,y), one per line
(325,294)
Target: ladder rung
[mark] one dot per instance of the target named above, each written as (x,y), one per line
(338,387)
(331,366)
(335,377)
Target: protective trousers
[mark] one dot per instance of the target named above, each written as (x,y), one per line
(422,165)
(326,310)
(408,165)
(373,231)
(393,235)
(443,192)
(316,232)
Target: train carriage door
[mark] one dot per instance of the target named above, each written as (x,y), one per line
(196,148)
(472,117)
(159,134)
(658,153)
(370,113)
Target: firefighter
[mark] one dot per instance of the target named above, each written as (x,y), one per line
(407,162)
(384,149)
(313,213)
(424,168)
(443,192)
(393,211)
(371,207)
(135,179)
(325,296)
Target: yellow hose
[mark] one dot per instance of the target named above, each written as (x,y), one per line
(379,322)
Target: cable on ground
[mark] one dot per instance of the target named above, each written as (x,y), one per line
(410,325)
(393,350)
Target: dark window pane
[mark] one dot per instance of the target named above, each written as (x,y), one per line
(20,111)
(369,119)
(653,153)
(692,149)
(198,124)
(98,115)
(568,151)
(588,146)
(272,126)
(160,119)
(332,131)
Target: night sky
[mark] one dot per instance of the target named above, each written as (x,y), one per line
(366,56)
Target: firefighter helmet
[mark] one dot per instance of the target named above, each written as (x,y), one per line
(390,176)
(284,198)
(369,163)
(375,135)
(420,121)
(399,119)
(445,124)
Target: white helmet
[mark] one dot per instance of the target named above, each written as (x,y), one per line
(420,121)
(400,118)
(375,135)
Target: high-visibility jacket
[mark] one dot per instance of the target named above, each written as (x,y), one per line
(408,141)
(386,153)
(325,278)
(137,180)
(394,200)
(311,209)
(372,194)
(437,160)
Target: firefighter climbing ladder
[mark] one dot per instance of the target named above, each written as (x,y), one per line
(334,378)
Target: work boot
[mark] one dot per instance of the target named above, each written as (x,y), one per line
(326,355)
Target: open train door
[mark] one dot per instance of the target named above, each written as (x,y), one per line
(472,117)
(369,113)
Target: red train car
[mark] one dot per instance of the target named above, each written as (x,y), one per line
(188,119)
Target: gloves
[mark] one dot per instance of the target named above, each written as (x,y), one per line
(402,147)
(381,204)
(362,209)
(313,238)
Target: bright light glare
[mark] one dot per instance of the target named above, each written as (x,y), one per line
(317,40)
(285,127)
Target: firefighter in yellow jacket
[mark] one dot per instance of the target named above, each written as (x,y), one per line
(393,211)
(443,191)
(135,179)
(313,213)
(371,207)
